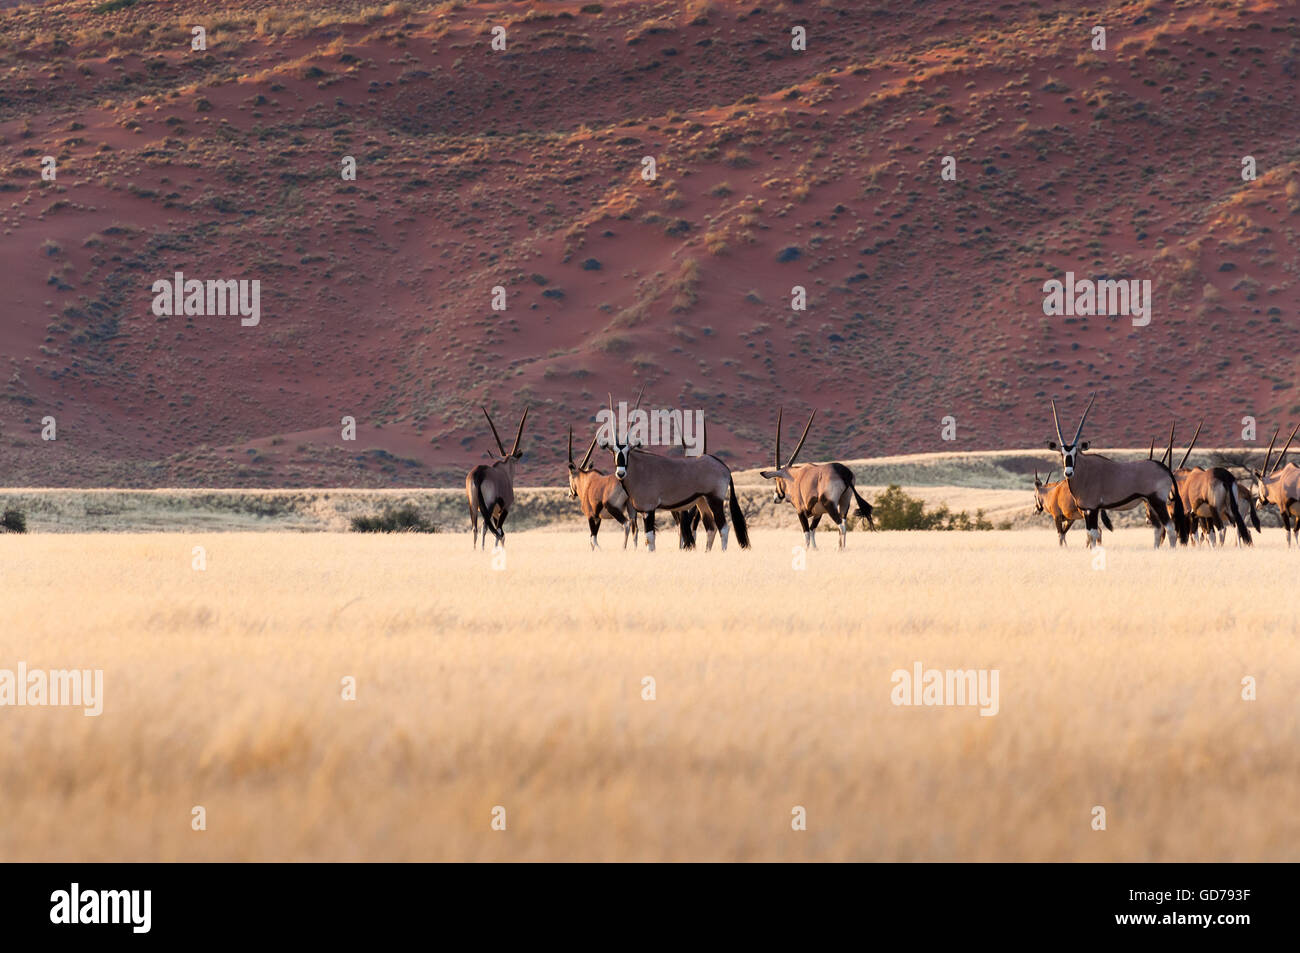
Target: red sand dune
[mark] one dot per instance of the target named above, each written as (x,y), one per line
(480,168)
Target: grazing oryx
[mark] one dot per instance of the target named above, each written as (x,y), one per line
(1281,487)
(1056,500)
(599,495)
(654,483)
(1209,496)
(491,487)
(1099,483)
(815,489)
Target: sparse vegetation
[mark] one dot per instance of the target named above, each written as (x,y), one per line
(403,519)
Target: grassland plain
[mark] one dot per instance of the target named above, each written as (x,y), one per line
(522,687)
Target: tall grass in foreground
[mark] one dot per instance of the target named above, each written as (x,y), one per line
(520,684)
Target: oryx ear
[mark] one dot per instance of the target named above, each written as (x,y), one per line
(783,473)
(1084,445)
(1051,445)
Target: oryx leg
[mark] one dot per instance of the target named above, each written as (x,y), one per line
(718,510)
(807,533)
(1286,524)
(1062,527)
(650,531)
(1165,519)
(616,514)
(1090,519)
(593,524)
(500,527)
(834,513)
(812,529)
(703,513)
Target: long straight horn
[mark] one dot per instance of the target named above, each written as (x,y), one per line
(494,429)
(799,447)
(1264,472)
(1168,455)
(519,433)
(1083,418)
(1192,444)
(1060,440)
(1278,466)
(1151,450)
(590,450)
(777,458)
(638,397)
(570,446)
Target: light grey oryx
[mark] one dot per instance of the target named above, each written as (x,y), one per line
(1281,487)
(815,489)
(491,486)
(654,483)
(599,495)
(1098,483)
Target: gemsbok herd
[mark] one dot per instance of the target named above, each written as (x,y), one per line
(1183,505)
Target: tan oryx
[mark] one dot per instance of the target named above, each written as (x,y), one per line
(1100,483)
(1057,501)
(815,489)
(1209,496)
(654,483)
(1280,487)
(599,495)
(491,486)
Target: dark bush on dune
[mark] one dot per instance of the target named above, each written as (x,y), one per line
(13,521)
(404,519)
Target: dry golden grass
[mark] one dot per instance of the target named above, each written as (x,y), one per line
(522,688)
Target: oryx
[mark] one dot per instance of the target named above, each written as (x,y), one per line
(599,495)
(491,486)
(815,489)
(1209,496)
(1280,487)
(1057,501)
(654,483)
(1098,483)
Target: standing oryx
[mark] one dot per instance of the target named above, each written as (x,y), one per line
(653,483)
(1099,483)
(1056,500)
(1209,496)
(1281,487)
(491,487)
(599,494)
(815,489)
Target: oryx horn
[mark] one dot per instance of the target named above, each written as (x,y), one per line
(1084,418)
(1192,444)
(518,433)
(494,429)
(1264,471)
(1278,466)
(804,437)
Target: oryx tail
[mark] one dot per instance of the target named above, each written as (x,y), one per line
(737,516)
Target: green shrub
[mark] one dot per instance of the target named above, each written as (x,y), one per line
(894,509)
(13,521)
(113,5)
(404,519)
